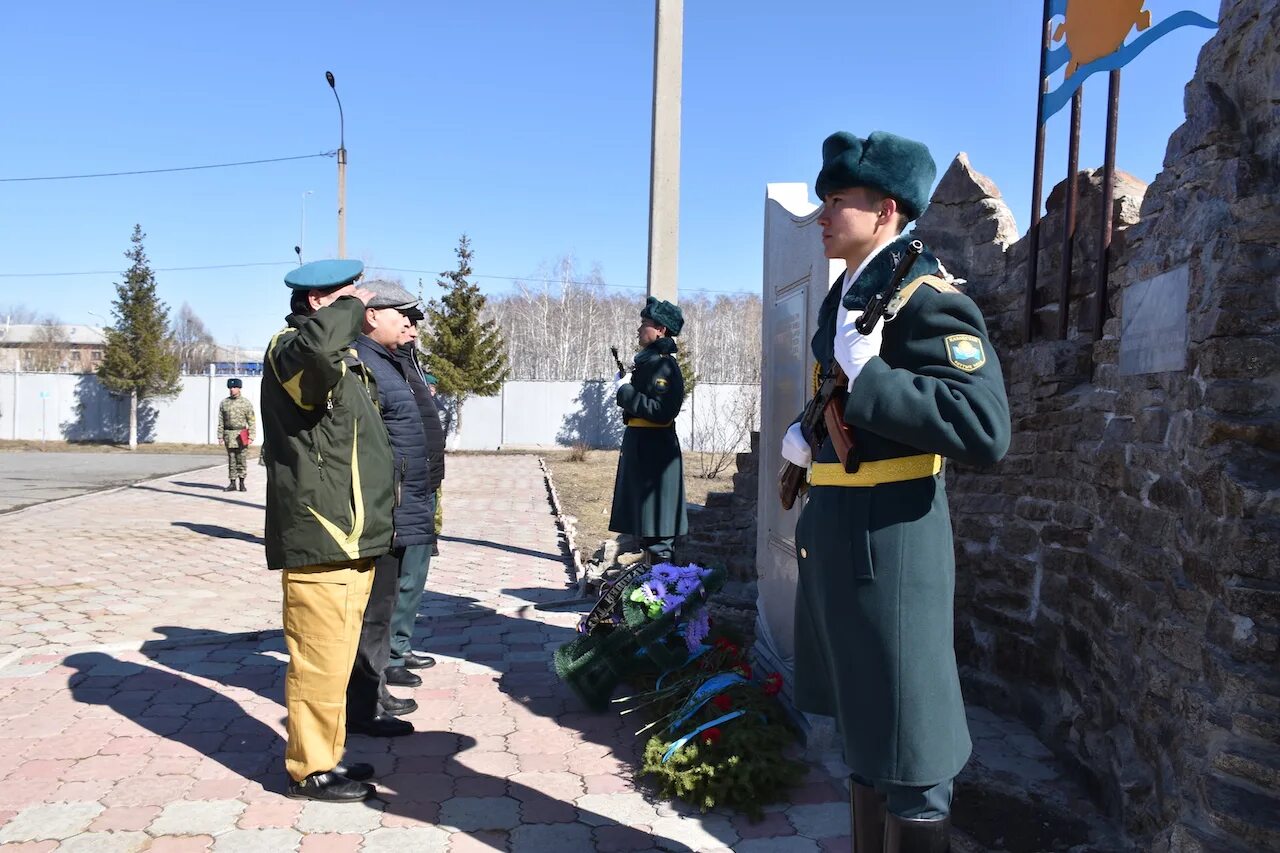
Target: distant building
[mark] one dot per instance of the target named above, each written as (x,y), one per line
(46,348)
(237,361)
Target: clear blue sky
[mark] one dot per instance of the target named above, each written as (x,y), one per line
(523,124)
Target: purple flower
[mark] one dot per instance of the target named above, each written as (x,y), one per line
(696,628)
(665,572)
(671,601)
(688,585)
(654,590)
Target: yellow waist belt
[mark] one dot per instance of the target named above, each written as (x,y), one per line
(641,422)
(876,472)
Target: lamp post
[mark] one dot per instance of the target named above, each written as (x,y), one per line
(302,229)
(342,170)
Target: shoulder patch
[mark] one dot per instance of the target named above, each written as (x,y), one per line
(904,295)
(965,352)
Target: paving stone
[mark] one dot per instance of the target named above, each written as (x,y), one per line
(331,842)
(191,818)
(793,844)
(257,841)
(551,838)
(340,818)
(820,820)
(182,844)
(484,841)
(474,813)
(626,808)
(424,839)
(52,821)
(106,842)
(692,833)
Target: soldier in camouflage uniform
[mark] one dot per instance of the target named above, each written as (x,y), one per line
(235,415)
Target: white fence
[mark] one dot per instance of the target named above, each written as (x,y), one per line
(75,407)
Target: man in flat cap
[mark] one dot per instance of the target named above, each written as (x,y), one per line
(873,542)
(371,708)
(648,491)
(238,427)
(329,502)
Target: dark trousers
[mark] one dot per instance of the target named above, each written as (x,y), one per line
(911,801)
(413,579)
(375,639)
(659,548)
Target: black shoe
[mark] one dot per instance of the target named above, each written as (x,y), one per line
(231,487)
(394,705)
(242,488)
(380,726)
(402,677)
(356,772)
(868,819)
(435,550)
(330,788)
(417,660)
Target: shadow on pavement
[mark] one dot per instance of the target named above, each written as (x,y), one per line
(181,710)
(206,497)
(218,532)
(485,543)
(188,485)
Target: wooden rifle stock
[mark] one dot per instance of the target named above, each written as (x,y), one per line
(791,480)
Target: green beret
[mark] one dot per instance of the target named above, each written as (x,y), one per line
(664,314)
(234,382)
(897,166)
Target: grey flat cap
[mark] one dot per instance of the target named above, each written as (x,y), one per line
(387,294)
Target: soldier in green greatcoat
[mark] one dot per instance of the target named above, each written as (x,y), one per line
(874,645)
(234,416)
(648,491)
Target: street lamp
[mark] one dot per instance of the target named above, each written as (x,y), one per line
(302,229)
(342,170)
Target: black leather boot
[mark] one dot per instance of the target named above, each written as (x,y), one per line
(394,705)
(231,487)
(917,834)
(242,488)
(868,818)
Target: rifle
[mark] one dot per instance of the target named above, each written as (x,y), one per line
(622,368)
(823,416)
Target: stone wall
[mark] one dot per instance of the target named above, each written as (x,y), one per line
(1119,573)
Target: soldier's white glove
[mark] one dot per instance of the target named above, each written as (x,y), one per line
(619,379)
(795,449)
(854,349)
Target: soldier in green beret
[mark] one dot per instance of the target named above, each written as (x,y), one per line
(648,491)
(876,563)
(236,422)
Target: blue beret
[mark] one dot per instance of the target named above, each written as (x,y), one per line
(894,165)
(430,379)
(323,275)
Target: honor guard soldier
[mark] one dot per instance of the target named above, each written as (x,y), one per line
(329,502)
(238,427)
(874,645)
(648,491)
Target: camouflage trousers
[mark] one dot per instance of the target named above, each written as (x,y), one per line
(236,457)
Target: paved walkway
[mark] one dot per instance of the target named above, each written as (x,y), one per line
(141,680)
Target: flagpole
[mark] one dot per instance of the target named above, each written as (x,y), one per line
(1069,214)
(1108,198)
(1037,187)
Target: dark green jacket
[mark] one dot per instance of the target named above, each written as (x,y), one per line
(874,645)
(648,491)
(329,469)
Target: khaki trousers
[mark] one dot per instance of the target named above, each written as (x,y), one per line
(323,610)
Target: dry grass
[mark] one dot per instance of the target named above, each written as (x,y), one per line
(586,490)
(107,447)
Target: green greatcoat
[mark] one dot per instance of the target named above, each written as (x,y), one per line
(874,645)
(648,491)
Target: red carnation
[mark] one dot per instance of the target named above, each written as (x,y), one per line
(773,684)
(723,702)
(745,669)
(711,735)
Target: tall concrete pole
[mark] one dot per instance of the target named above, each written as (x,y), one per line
(342,169)
(664,164)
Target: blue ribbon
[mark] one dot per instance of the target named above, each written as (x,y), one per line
(702,650)
(675,747)
(713,685)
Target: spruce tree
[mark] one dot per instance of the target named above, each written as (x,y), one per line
(139,359)
(464,351)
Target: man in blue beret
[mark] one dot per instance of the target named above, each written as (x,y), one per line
(648,490)
(873,542)
(238,427)
(329,501)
